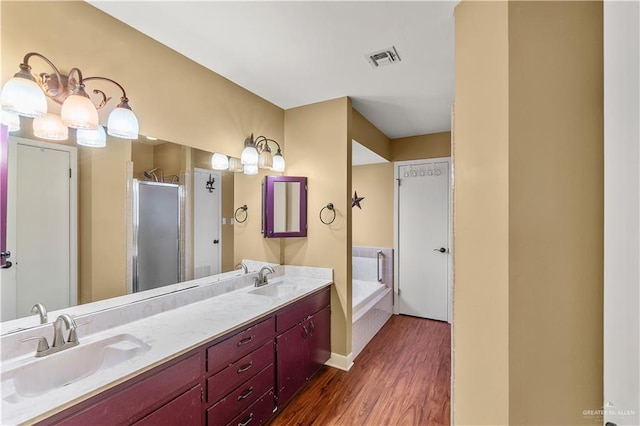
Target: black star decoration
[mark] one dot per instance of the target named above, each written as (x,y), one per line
(355,201)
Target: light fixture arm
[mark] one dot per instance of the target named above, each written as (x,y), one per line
(25,72)
(265,141)
(123,99)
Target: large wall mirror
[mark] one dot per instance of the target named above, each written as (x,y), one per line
(284,206)
(80,220)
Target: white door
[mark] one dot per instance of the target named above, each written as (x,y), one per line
(41,192)
(423,257)
(207,190)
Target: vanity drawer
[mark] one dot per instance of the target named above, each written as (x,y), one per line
(302,309)
(241,398)
(259,413)
(240,371)
(228,351)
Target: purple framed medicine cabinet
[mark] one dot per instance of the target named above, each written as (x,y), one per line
(284,206)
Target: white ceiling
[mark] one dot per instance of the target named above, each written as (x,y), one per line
(298,53)
(361,155)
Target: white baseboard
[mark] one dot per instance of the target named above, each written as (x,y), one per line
(340,361)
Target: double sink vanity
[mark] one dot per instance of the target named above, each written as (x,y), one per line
(216,351)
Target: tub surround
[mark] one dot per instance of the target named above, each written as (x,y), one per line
(372,300)
(171,324)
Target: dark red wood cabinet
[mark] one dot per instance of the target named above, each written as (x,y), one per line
(240,379)
(304,347)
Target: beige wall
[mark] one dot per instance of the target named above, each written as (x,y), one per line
(102,220)
(319,147)
(528,270)
(168,158)
(433,145)
(481,234)
(555,296)
(373,224)
(368,135)
(142,157)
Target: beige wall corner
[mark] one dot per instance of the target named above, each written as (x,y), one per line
(481,216)
(433,145)
(373,224)
(366,134)
(556,143)
(318,139)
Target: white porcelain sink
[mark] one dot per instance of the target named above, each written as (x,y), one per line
(37,376)
(281,290)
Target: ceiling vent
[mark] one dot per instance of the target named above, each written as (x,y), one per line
(383,57)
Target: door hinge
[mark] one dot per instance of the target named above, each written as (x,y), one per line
(398,292)
(69,173)
(398,179)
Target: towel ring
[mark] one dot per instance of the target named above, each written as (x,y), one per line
(330,208)
(246,215)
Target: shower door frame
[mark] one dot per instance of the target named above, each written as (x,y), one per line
(136,225)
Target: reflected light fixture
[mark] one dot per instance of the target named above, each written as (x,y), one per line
(92,138)
(11,120)
(50,127)
(250,169)
(219,161)
(235,165)
(26,94)
(250,155)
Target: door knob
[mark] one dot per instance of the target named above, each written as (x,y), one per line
(441,250)
(216,241)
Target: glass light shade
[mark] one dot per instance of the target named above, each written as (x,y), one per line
(249,156)
(235,165)
(92,138)
(79,112)
(219,161)
(50,127)
(250,169)
(265,161)
(278,163)
(11,120)
(123,123)
(24,97)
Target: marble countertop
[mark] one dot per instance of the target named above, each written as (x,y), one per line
(168,334)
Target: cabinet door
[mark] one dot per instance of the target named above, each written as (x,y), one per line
(318,344)
(184,410)
(292,369)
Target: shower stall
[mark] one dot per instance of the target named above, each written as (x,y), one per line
(156,234)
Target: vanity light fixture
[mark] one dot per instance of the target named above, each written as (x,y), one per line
(26,94)
(256,154)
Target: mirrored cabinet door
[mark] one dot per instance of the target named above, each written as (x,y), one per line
(284,206)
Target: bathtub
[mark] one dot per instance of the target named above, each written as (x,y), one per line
(372,307)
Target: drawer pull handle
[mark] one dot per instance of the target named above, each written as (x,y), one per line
(305,333)
(245,367)
(246,422)
(245,394)
(312,327)
(245,341)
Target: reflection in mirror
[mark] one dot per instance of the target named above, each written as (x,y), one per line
(90,247)
(284,201)
(286,210)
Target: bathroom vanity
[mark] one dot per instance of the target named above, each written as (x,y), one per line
(261,347)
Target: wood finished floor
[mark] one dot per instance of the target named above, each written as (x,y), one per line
(402,377)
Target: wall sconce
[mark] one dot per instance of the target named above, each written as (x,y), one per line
(256,154)
(26,95)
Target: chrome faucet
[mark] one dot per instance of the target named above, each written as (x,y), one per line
(262,276)
(58,339)
(39,308)
(242,266)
